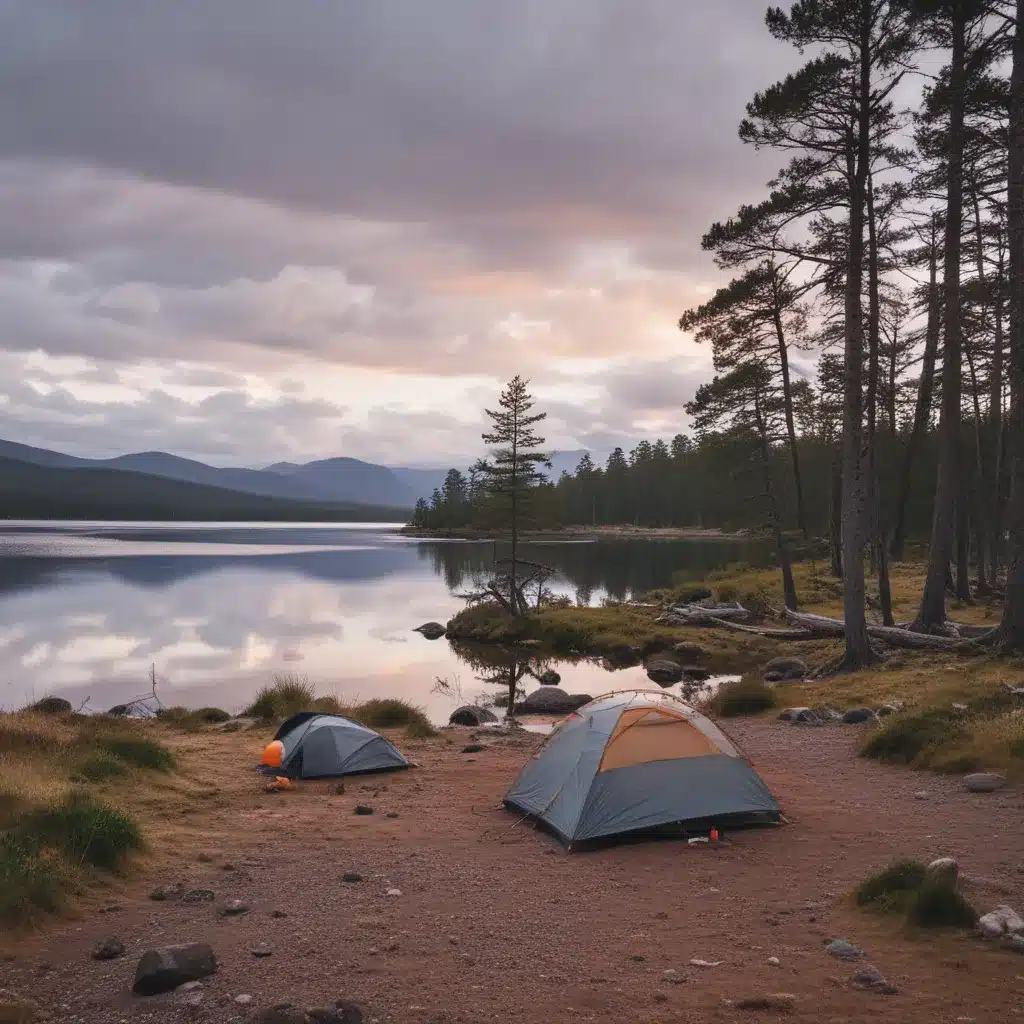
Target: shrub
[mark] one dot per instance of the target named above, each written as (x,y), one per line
(99,767)
(757,601)
(140,752)
(905,738)
(893,889)
(286,696)
(420,731)
(726,592)
(940,905)
(83,829)
(27,882)
(746,696)
(387,713)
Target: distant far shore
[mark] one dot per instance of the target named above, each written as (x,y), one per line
(622,532)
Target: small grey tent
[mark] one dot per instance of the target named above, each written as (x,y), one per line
(639,761)
(311,745)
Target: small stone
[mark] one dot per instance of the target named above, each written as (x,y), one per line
(190,986)
(110,908)
(205,858)
(199,896)
(391,814)
(637,958)
(109,948)
(467,959)
(844,950)
(661,915)
(858,716)
(228,866)
(670,973)
(243,999)
(959,710)
(706,963)
(262,950)
(774,961)
(161,970)
(473,748)
(363,809)
(1001,921)
(282,1013)
(660,997)
(166,892)
(339,789)
(922,794)
(234,908)
(393,892)
(278,913)
(342,1012)
(944,870)
(983,782)
(352,877)
(869,976)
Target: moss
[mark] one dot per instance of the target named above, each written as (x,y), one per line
(747,696)
(893,889)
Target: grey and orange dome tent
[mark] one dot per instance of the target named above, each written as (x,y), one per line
(639,761)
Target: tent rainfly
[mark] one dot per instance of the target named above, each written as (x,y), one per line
(311,745)
(639,761)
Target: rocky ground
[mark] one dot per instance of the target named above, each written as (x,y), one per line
(454,912)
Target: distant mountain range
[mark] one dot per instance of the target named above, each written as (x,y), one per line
(340,482)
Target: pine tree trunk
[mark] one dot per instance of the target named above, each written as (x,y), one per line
(925,389)
(858,646)
(932,612)
(995,412)
(879,562)
(1011,627)
(787,399)
(785,563)
(835,532)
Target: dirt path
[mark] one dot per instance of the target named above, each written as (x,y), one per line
(500,925)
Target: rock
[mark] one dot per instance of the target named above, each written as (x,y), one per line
(692,652)
(886,710)
(430,630)
(363,809)
(167,892)
(705,963)
(109,948)
(1001,921)
(228,867)
(161,970)
(473,748)
(664,672)
(550,700)
(119,711)
(351,877)
(391,814)
(778,1002)
(922,794)
(234,908)
(983,782)
(243,999)
(774,961)
(959,710)
(944,870)
(51,706)
(800,716)
(205,858)
(858,716)
(261,950)
(788,667)
(282,1013)
(696,674)
(1014,943)
(342,1012)
(549,677)
(278,914)
(870,977)
(198,896)
(844,950)
(393,892)
(471,714)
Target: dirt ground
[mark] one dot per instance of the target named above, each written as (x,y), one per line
(495,922)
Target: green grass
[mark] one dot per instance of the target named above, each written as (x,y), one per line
(909,737)
(193,719)
(84,830)
(747,696)
(418,730)
(387,713)
(893,889)
(29,884)
(940,905)
(287,695)
(101,766)
(140,752)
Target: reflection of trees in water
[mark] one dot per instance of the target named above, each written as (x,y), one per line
(620,568)
(499,667)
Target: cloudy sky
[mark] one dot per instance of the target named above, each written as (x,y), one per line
(246,230)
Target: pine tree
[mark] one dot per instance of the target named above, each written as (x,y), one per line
(513,472)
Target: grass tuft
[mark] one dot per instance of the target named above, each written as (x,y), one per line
(906,738)
(893,889)
(28,883)
(418,730)
(140,752)
(387,713)
(940,905)
(287,695)
(101,766)
(746,696)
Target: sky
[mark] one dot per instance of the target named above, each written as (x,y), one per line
(248,230)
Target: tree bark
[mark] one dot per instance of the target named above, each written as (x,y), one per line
(995,412)
(925,389)
(835,533)
(932,611)
(858,646)
(1011,626)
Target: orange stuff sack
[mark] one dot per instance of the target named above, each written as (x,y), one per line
(273,754)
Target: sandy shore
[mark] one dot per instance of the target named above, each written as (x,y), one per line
(495,922)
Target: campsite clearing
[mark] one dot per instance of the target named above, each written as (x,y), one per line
(495,921)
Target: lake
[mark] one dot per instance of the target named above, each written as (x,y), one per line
(87,608)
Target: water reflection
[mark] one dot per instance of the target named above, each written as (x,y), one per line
(85,612)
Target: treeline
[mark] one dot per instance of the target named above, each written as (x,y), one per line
(889,250)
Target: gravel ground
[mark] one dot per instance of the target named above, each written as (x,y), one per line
(496,923)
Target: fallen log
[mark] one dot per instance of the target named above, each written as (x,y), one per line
(775,634)
(892,635)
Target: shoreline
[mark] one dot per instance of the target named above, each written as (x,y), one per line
(584,533)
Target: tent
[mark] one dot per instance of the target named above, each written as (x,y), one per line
(639,761)
(311,745)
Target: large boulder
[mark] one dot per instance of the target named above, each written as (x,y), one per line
(550,700)
(471,714)
(51,706)
(1001,921)
(983,782)
(944,871)
(690,651)
(161,970)
(785,669)
(664,672)
(858,716)
(800,716)
(431,630)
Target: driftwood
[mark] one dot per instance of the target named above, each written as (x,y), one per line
(895,636)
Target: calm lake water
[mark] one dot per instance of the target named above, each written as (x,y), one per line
(87,608)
